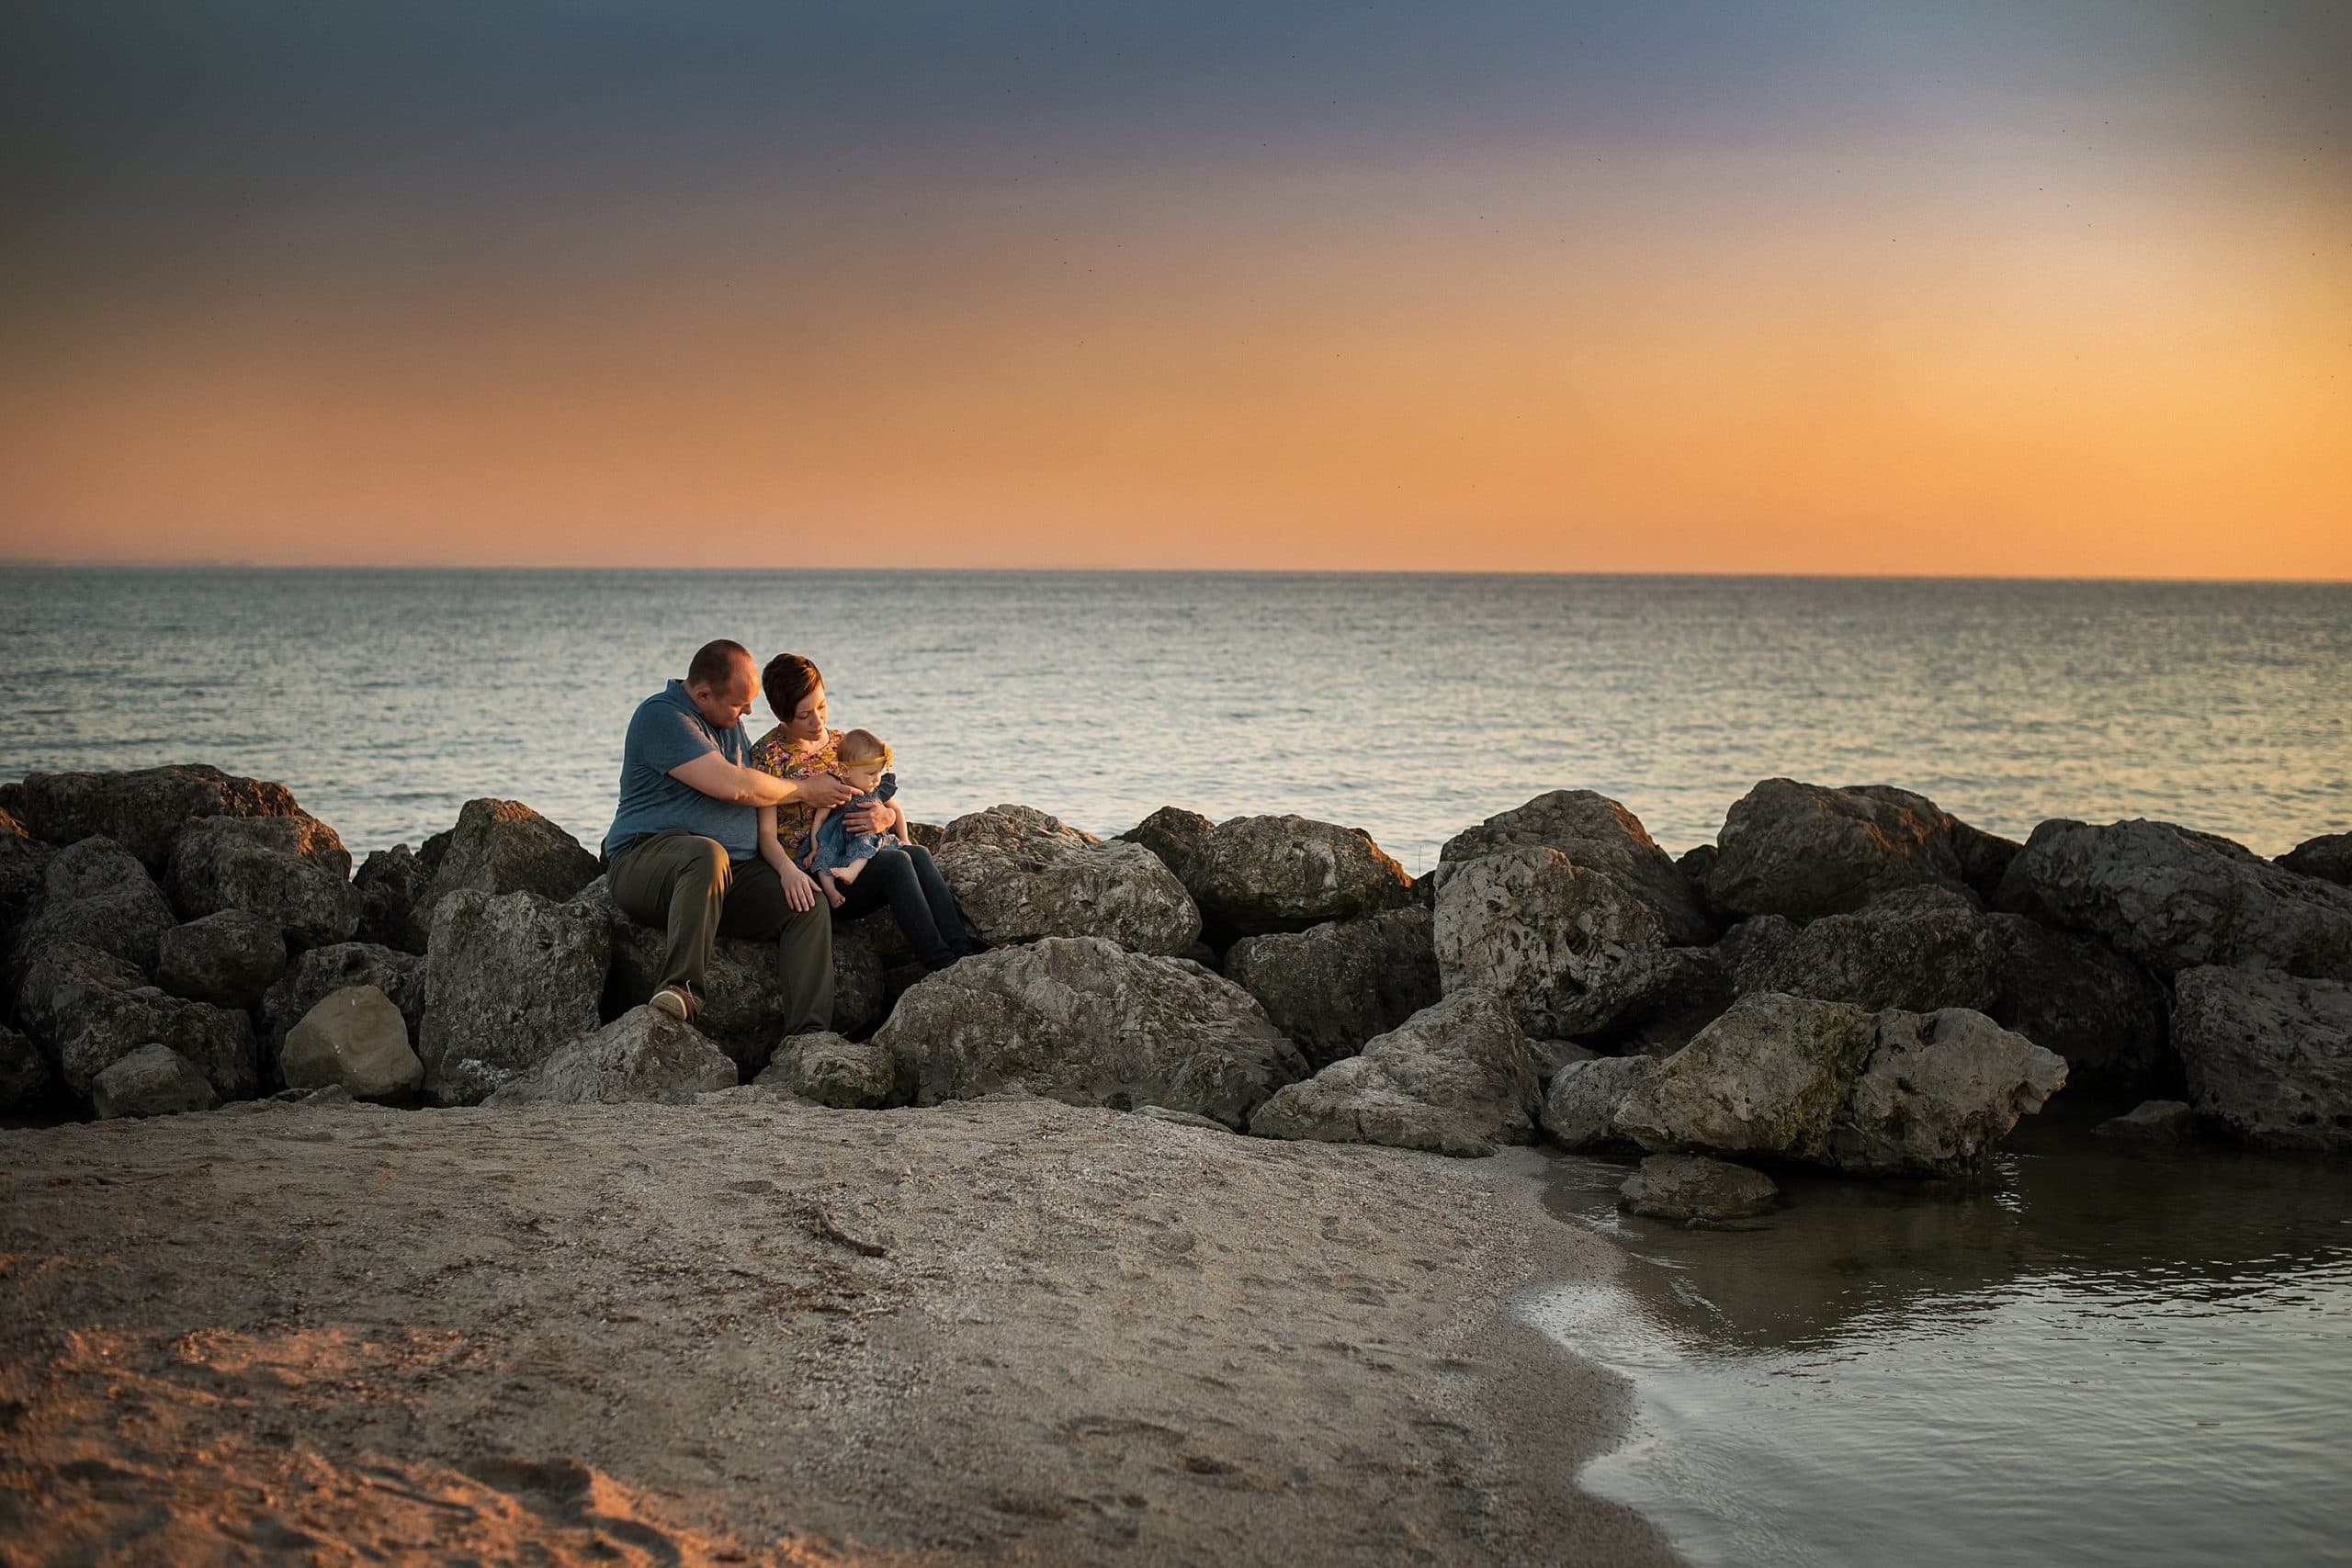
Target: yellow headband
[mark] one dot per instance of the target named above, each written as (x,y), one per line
(855,763)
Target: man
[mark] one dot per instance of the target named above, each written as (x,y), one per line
(684,853)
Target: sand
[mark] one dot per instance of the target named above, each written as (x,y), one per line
(755,1330)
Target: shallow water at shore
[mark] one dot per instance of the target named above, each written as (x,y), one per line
(2097,1356)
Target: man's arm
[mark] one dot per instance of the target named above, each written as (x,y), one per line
(715,776)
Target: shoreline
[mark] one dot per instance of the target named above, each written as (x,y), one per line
(1002,1330)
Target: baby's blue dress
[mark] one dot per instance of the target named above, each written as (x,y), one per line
(836,846)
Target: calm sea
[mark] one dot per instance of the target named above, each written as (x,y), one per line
(1406,705)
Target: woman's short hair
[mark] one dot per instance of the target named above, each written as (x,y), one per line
(788,680)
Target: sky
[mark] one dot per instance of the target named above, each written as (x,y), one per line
(1811,286)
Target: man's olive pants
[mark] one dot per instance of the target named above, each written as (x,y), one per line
(683,885)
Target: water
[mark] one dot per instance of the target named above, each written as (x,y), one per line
(2099,1356)
(1407,705)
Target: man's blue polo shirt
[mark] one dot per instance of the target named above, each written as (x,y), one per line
(666,730)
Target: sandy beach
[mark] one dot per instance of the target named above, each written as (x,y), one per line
(754,1329)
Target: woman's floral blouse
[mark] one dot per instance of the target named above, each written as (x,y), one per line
(776,754)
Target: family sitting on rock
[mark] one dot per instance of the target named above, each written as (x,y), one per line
(718,836)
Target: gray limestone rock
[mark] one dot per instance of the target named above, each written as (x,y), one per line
(1333,987)
(641,1055)
(2268,1055)
(24,868)
(1018,874)
(154,1080)
(91,1009)
(2327,857)
(1597,833)
(143,810)
(1254,874)
(355,1038)
(1693,1188)
(1916,948)
(395,895)
(503,846)
(98,894)
(292,871)
(1455,1079)
(1180,838)
(1804,850)
(1939,1090)
(847,1075)
(323,971)
(230,959)
(2078,996)
(1581,1101)
(2152,1121)
(1539,931)
(24,1078)
(1652,1000)
(509,979)
(1084,1020)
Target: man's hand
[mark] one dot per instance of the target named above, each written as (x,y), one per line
(823,789)
(799,892)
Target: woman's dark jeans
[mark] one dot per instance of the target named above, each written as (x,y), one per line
(919,900)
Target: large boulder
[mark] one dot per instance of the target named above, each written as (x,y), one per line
(98,894)
(1804,850)
(1333,987)
(1084,1020)
(24,1078)
(2174,898)
(1455,1079)
(230,959)
(395,897)
(1180,838)
(2268,1055)
(355,1038)
(509,979)
(1916,948)
(1539,931)
(154,1080)
(2078,996)
(292,871)
(503,846)
(644,1055)
(848,1074)
(1018,874)
(1826,1083)
(1253,875)
(24,868)
(91,1009)
(324,971)
(1653,1001)
(2327,857)
(1581,1101)
(1597,834)
(144,811)
(1692,1189)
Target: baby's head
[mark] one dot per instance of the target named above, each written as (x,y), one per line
(863,758)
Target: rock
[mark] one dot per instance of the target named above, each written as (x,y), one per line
(744,1010)
(831,1070)
(1600,835)
(353,1038)
(1804,849)
(144,811)
(1018,874)
(395,895)
(1532,927)
(1082,1021)
(24,868)
(1455,1079)
(1687,1188)
(324,971)
(92,1009)
(1891,1093)
(509,979)
(503,846)
(1551,1056)
(24,1078)
(2327,857)
(229,959)
(641,1055)
(1182,1118)
(2268,1055)
(96,893)
(2078,996)
(872,966)
(1180,838)
(292,871)
(1581,1101)
(2152,1121)
(1917,948)
(1333,987)
(154,1080)
(1254,874)
(1653,1000)
(2174,898)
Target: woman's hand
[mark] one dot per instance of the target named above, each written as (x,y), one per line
(799,888)
(882,817)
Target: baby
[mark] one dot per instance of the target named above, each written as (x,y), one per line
(835,854)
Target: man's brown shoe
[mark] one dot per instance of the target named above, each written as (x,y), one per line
(677,1001)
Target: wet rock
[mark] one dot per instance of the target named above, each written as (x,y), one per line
(1599,834)
(1018,874)
(1581,1101)
(641,1055)
(1917,948)
(2268,1055)
(292,871)
(395,895)
(509,979)
(847,1075)
(1535,929)
(145,810)
(1455,1079)
(1653,1000)
(323,971)
(1939,1090)
(91,1009)
(2174,899)
(2327,857)
(1804,850)
(353,1038)
(229,959)
(1255,874)
(97,894)
(503,846)
(24,1078)
(2078,996)
(2152,1121)
(154,1080)
(1333,987)
(1687,1188)
(1084,1020)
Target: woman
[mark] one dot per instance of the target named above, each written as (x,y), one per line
(903,876)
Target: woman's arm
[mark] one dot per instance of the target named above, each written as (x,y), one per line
(799,892)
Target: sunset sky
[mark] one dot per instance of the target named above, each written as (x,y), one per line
(1849,287)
